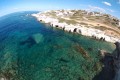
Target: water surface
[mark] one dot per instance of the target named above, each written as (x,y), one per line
(30,50)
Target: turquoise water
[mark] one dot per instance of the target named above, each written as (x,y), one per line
(30,50)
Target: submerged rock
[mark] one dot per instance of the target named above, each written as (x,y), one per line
(3,78)
(81,50)
(38,37)
(90,49)
(63,60)
(32,40)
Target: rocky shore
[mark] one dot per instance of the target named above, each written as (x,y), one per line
(76,28)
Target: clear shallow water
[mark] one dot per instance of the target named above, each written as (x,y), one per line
(30,50)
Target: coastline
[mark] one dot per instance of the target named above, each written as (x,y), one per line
(76,28)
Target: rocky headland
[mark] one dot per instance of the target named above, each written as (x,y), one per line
(97,25)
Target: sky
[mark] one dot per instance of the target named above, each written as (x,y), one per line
(105,6)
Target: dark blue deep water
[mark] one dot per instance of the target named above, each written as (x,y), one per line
(30,50)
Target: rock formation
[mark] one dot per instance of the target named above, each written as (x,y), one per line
(38,38)
(111,62)
(32,40)
(116,58)
(82,24)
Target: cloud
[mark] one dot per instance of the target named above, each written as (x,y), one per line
(96,8)
(110,10)
(107,3)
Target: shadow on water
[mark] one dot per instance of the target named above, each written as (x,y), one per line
(29,42)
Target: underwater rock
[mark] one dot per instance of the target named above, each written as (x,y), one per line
(63,60)
(34,39)
(57,46)
(103,53)
(38,37)
(90,49)
(79,49)
(6,75)
(3,78)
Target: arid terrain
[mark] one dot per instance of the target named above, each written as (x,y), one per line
(108,23)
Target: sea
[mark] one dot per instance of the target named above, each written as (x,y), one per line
(32,50)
